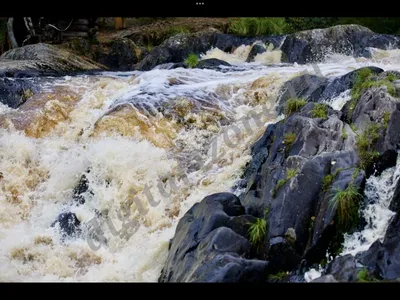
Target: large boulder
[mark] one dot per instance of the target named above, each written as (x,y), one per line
(301,220)
(15,91)
(43,59)
(353,40)
(316,88)
(178,47)
(210,244)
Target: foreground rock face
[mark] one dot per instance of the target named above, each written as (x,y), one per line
(41,60)
(299,165)
(210,245)
(353,40)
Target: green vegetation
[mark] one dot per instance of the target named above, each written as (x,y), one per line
(344,133)
(364,80)
(328,179)
(353,127)
(320,110)
(386,118)
(363,276)
(293,105)
(288,140)
(257,232)
(355,173)
(364,145)
(346,204)
(290,173)
(278,276)
(192,60)
(257,26)
(176,30)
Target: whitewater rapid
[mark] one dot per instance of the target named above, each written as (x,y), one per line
(130,132)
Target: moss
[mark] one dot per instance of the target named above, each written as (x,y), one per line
(294,105)
(320,110)
(344,133)
(290,173)
(353,127)
(364,80)
(328,179)
(364,145)
(192,60)
(288,140)
(386,119)
(346,204)
(278,276)
(363,276)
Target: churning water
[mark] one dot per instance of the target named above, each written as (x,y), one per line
(166,137)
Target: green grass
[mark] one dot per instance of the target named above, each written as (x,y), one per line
(353,127)
(320,110)
(278,276)
(289,139)
(176,30)
(386,119)
(257,26)
(290,173)
(364,145)
(294,105)
(364,80)
(344,133)
(346,204)
(257,232)
(328,179)
(192,60)
(363,276)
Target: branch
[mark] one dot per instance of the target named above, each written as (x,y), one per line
(11,36)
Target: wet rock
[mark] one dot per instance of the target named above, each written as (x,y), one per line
(315,88)
(325,279)
(205,249)
(343,268)
(177,48)
(301,221)
(376,106)
(257,48)
(15,91)
(383,259)
(307,86)
(122,55)
(43,60)
(68,224)
(80,189)
(212,63)
(314,45)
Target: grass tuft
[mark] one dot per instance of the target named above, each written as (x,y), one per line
(320,110)
(192,60)
(294,105)
(290,173)
(346,204)
(257,232)
(364,145)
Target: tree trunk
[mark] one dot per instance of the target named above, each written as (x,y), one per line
(11,36)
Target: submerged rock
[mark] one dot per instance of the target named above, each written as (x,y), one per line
(69,224)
